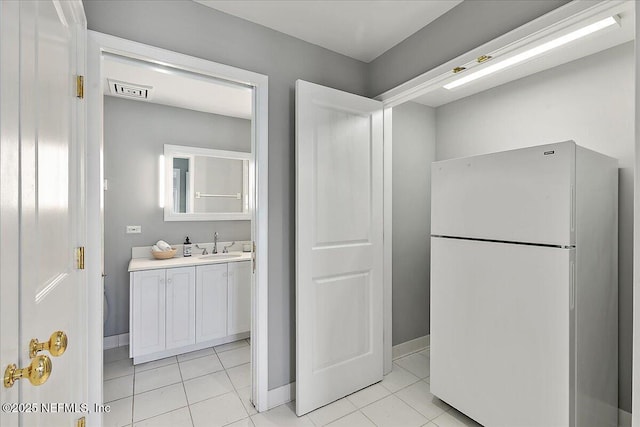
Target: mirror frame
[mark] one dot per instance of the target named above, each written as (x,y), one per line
(166,178)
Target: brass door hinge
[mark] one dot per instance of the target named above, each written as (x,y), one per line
(80,87)
(80,258)
(82,422)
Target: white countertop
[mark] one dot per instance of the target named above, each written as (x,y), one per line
(138,264)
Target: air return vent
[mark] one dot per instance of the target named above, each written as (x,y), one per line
(129,90)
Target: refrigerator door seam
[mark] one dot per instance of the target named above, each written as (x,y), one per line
(510,242)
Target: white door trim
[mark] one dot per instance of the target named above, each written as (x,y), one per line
(98,44)
(387,270)
(635,382)
(9,196)
(417,86)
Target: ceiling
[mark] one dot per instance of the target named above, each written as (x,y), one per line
(360,29)
(177,88)
(174,87)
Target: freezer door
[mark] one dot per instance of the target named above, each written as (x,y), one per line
(501,332)
(524,195)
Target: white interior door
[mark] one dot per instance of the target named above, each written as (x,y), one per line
(339,253)
(42,209)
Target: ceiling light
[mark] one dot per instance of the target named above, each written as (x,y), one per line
(530,53)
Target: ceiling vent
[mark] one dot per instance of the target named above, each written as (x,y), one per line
(129,90)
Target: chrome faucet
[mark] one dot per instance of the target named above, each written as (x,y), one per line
(204,250)
(225,249)
(215,243)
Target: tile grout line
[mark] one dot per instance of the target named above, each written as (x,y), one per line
(365,415)
(158,388)
(186,397)
(133,398)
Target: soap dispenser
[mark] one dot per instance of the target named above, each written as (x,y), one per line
(186,247)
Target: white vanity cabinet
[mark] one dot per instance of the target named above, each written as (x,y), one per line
(163,309)
(239,298)
(181,309)
(223,295)
(211,305)
(180,305)
(147,312)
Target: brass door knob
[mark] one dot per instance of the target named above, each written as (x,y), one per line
(37,372)
(56,345)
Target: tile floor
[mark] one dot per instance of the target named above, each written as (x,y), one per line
(174,392)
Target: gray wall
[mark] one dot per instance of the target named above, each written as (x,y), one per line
(414,148)
(188,27)
(463,28)
(134,136)
(591,101)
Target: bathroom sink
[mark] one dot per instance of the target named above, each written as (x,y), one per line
(220,256)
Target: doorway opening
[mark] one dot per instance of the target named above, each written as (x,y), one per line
(177,148)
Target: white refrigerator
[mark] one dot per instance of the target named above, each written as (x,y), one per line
(524,292)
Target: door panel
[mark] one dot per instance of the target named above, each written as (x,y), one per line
(343,319)
(211,302)
(500,319)
(342,155)
(181,307)
(338,244)
(149,308)
(521,195)
(239,289)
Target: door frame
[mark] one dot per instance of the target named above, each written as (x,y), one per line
(635,364)
(9,197)
(421,84)
(97,44)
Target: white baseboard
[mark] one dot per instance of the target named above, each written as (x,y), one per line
(115,341)
(624,418)
(281,395)
(409,347)
(123,339)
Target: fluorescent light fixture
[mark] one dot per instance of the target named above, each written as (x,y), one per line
(530,53)
(161,180)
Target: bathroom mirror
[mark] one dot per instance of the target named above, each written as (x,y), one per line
(202,184)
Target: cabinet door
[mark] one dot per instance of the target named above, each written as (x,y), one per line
(239,306)
(148,314)
(211,302)
(181,303)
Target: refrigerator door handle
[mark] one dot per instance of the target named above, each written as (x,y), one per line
(573,208)
(572,286)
